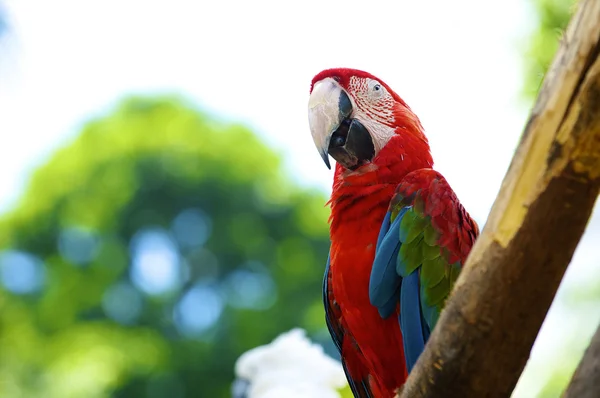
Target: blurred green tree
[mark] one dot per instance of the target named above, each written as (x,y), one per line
(149,253)
(551,17)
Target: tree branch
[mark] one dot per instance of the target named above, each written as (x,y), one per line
(586,380)
(484,336)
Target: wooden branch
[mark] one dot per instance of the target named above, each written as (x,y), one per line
(484,336)
(586,380)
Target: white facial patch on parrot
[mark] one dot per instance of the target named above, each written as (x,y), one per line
(373,107)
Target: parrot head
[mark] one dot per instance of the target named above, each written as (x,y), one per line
(353,115)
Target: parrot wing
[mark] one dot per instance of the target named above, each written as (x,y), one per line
(423,242)
(355,371)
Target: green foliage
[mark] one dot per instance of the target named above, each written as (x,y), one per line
(247,246)
(552,19)
(346,392)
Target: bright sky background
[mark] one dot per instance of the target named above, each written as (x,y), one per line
(456,63)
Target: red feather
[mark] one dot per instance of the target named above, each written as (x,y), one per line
(458,230)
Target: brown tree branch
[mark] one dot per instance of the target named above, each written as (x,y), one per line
(586,380)
(484,336)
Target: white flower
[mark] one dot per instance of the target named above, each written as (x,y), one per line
(290,367)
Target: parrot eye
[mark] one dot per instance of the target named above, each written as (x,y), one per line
(376,91)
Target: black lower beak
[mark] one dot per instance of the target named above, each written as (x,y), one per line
(351,144)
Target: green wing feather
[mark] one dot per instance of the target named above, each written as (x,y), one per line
(420,249)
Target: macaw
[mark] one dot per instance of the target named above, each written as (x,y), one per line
(399,235)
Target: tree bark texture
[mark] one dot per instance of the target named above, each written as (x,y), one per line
(485,334)
(586,380)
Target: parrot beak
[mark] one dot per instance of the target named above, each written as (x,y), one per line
(332,129)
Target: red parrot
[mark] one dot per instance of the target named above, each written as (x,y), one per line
(399,235)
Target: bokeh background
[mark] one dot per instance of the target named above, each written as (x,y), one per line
(161,200)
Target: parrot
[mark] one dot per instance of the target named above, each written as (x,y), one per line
(399,236)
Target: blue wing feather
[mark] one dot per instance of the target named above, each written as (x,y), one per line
(385,281)
(415,330)
(386,288)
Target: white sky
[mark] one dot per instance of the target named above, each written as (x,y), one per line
(456,63)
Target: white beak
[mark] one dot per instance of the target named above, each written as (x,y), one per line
(328,106)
